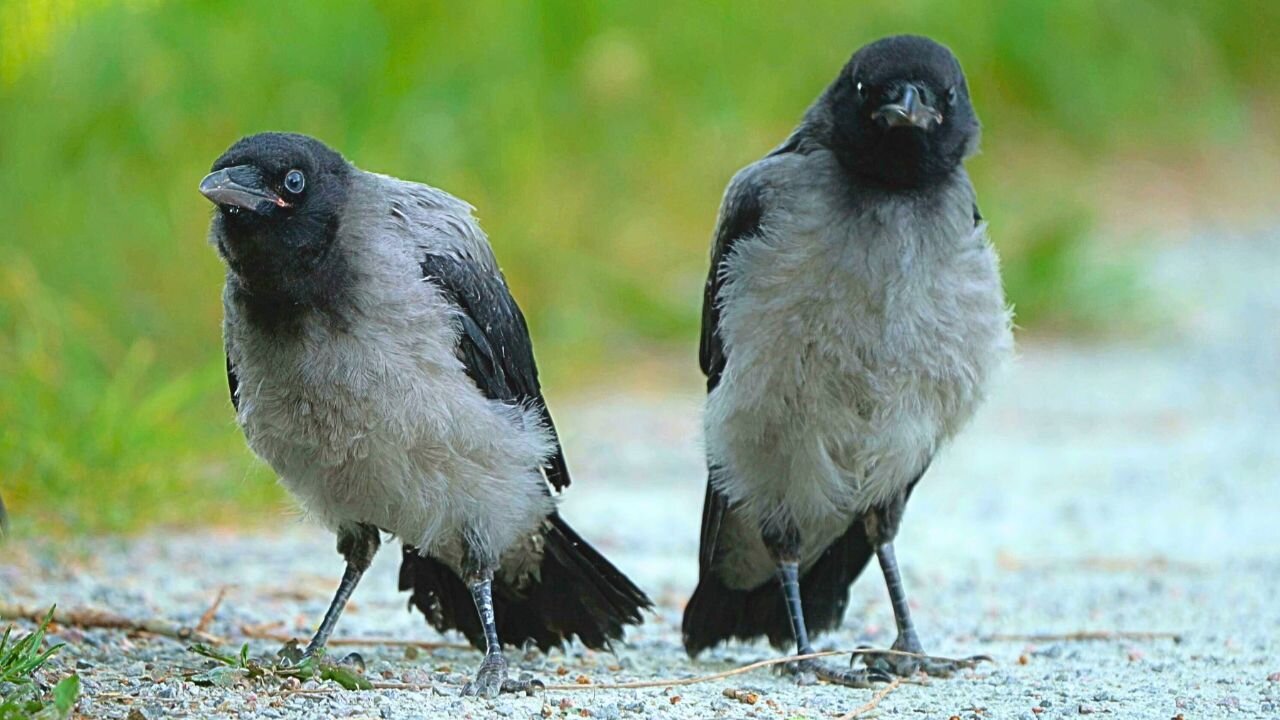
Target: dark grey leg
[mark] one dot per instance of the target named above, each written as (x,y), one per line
(789,576)
(350,578)
(785,548)
(491,678)
(898,598)
(357,545)
(882,526)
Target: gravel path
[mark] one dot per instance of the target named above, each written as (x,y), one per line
(1106,488)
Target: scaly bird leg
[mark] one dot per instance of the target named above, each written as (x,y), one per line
(881,528)
(785,547)
(491,679)
(357,544)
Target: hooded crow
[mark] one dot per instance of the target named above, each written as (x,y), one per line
(379,364)
(853,315)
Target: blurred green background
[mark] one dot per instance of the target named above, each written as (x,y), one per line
(595,139)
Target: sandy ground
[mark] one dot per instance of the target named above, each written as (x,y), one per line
(1117,487)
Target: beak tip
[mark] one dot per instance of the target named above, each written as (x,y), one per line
(210,184)
(897,116)
(909,111)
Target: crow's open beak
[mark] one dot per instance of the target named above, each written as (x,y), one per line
(240,186)
(909,111)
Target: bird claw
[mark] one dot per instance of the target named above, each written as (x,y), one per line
(906,665)
(293,658)
(528,686)
(292,655)
(491,680)
(808,672)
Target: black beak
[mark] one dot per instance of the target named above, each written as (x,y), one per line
(909,111)
(241,187)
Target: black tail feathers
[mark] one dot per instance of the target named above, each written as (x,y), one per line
(717,613)
(579,593)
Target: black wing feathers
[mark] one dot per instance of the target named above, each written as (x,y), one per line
(494,344)
(714,507)
(577,592)
(740,216)
(233,383)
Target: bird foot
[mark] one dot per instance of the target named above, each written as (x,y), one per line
(292,655)
(809,672)
(491,680)
(904,662)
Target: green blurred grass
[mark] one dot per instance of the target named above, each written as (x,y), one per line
(595,139)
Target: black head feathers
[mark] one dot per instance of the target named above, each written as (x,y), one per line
(280,200)
(899,114)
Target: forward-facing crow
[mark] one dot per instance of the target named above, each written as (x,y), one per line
(852,318)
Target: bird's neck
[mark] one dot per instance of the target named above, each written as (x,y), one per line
(279,296)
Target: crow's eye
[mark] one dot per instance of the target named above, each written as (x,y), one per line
(295,181)
(951,96)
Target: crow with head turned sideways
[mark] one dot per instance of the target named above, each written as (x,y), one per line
(379,364)
(852,319)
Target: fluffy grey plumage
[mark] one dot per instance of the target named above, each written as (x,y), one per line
(858,342)
(368,415)
(379,364)
(853,318)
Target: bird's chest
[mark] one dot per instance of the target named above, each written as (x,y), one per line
(825,317)
(328,395)
(325,402)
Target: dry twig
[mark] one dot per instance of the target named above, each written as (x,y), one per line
(256,634)
(88,618)
(639,684)
(673,682)
(208,615)
(921,656)
(695,680)
(873,702)
(1157,564)
(1084,635)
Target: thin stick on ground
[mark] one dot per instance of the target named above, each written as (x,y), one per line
(87,618)
(695,680)
(255,634)
(674,682)
(209,614)
(873,702)
(668,682)
(1084,635)
(921,656)
(91,618)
